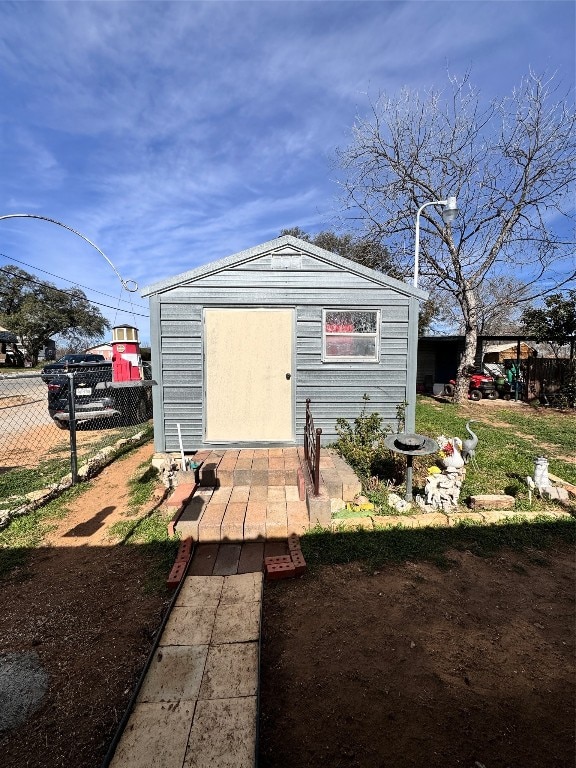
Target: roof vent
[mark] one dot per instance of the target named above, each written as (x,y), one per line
(286,261)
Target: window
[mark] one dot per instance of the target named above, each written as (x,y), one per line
(350,334)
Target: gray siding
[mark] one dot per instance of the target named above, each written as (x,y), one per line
(336,389)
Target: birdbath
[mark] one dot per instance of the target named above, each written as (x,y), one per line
(410,445)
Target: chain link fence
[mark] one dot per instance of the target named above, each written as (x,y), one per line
(51,425)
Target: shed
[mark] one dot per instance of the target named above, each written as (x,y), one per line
(438,358)
(239,344)
(499,353)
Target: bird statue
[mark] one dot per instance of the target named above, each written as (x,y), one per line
(469,445)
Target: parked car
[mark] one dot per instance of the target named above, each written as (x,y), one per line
(74,362)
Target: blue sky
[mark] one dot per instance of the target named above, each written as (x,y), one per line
(176,133)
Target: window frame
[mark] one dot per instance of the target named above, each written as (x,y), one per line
(351,358)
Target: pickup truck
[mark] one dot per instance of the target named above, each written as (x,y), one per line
(97,398)
(74,363)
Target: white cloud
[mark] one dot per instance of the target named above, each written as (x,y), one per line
(175,132)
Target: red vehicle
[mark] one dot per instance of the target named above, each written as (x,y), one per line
(480,386)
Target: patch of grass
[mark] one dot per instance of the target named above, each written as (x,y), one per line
(503,458)
(395,544)
(150,532)
(142,485)
(548,426)
(112,436)
(26,532)
(149,529)
(18,482)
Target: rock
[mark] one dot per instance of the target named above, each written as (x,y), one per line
(336,505)
(555,493)
(37,495)
(397,503)
(492,501)
(184,478)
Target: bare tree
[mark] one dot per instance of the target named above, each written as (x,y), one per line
(511,165)
(500,302)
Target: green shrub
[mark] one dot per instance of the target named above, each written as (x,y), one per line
(362,443)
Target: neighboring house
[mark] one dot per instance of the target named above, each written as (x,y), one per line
(498,353)
(13,353)
(101,349)
(239,344)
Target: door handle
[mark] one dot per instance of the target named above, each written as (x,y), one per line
(288,376)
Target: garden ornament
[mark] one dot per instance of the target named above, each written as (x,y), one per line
(410,445)
(442,489)
(469,445)
(450,452)
(541,479)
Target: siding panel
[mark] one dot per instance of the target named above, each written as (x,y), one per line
(341,296)
(180,327)
(177,311)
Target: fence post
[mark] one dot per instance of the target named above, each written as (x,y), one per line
(72,422)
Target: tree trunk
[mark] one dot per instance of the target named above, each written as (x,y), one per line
(470,312)
(466,362)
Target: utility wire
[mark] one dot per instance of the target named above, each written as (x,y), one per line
(58,277)
(61,290)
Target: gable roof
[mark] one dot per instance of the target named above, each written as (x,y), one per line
(284,244)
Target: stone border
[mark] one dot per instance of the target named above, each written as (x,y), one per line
(87,471)
(440,520)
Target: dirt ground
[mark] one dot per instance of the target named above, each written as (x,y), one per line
(413,666)
(81,621)
(29,446)
(409,666)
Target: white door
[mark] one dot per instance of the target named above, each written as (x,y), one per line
(248,375)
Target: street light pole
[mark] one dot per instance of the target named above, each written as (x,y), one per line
(449,213)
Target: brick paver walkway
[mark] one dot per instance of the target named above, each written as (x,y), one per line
(197,707)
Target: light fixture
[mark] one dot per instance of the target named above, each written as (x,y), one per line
(450,210)
(449,213)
